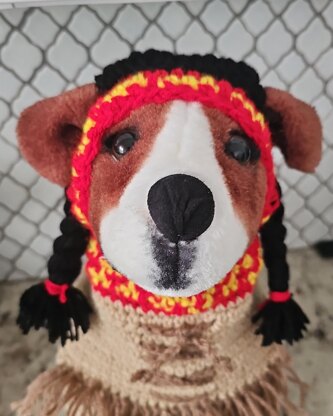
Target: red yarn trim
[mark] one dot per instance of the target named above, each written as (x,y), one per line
(107,114)
(280,296)
(56,290)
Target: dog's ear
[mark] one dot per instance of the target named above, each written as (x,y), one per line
(49,130)
(296,129)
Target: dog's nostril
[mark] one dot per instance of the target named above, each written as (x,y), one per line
(181,206)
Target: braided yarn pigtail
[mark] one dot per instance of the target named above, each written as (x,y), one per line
(280,317)
(55,304)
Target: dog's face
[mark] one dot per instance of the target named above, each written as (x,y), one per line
(177,190)
(177,193)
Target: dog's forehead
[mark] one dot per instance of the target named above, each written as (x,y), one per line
(144,117)
(219,122)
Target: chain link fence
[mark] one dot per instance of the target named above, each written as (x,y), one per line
(45,51)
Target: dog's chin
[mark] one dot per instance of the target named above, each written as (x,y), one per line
(172,270)
(190,290)
(164,268)
(166,282)
(161,283)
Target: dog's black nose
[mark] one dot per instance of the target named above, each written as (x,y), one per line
(181,206)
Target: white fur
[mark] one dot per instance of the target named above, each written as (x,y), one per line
(184,145)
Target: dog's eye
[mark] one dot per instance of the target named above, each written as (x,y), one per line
(242,149)
(120,143)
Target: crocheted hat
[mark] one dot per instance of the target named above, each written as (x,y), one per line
(157,78)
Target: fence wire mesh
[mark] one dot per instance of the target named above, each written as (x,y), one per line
(45,51)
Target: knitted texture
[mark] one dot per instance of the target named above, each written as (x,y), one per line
(159,87)
(69,390)
(148,356)
(239,74)
(150,364)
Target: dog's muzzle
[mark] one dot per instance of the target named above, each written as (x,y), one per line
(181,206)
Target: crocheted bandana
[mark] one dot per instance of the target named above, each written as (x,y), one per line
(158,87)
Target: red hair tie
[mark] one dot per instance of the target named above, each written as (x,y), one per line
(54,289)
(280,296)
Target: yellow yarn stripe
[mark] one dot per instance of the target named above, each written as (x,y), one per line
(121,90)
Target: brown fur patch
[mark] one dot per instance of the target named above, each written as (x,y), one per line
(246,183)
(111,176)
(301,137)
(49,130)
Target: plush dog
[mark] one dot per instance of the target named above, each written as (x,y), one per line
(171,194)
